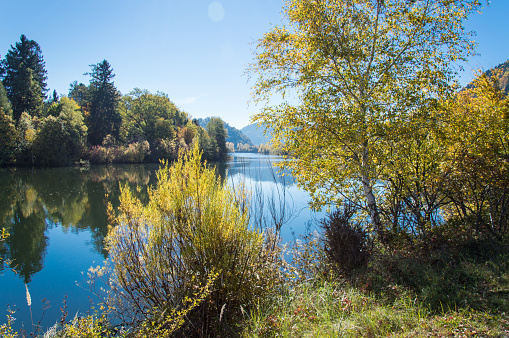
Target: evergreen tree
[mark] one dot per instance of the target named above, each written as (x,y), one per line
(218,135)
(24,77)
(54,97)
(104,118)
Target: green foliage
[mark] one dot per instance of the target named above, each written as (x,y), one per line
(26,129)
(7,138)
(466,274)
(217,133)
(333,309)
(104,118)
(24,77)
(193,227)
(150,117)
(60,140)
(234,135)
(81,95)
(5,104)
(360,70)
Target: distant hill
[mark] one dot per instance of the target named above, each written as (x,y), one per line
(256,135)
(235,136)
(503,76)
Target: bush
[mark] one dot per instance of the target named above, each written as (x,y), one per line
(98,155)
(164,149)
(136,152)
(193,235)
(346,243)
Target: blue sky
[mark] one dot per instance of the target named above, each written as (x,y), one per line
(195,51)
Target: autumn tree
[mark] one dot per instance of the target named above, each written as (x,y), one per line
(357,71)
(24,77)
(81,95)
(104,118)
(476,160)
(7,137)
(61,136)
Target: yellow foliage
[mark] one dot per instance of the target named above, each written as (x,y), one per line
(189,248)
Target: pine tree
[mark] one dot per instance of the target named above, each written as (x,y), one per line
(104,118)
(24,77)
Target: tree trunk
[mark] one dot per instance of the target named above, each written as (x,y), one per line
(371,200)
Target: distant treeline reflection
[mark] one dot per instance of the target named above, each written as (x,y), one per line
(75,199)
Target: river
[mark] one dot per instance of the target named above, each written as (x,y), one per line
(57,222)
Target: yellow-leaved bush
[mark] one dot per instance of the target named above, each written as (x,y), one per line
(192,241)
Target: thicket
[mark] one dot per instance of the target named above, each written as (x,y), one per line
(188,262)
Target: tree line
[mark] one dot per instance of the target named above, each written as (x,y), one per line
(93,122)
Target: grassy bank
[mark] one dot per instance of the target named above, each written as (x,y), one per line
(458,292)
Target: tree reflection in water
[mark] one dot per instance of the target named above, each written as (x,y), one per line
(74,199)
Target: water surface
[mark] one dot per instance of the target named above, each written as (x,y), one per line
(57,222)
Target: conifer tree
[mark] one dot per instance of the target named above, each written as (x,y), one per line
(24,77)
(104,118)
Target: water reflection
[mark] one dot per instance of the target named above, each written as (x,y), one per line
(259,168)
(57,222)
(74,199)
(36,200)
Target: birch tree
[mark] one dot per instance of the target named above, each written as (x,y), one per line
(355,71)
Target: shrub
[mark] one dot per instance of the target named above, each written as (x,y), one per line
(98,155)
(193,228)
(165,149)
(136,152)
(346,243)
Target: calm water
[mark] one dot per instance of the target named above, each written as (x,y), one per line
(57,223)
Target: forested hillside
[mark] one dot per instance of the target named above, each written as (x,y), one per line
(501,72)
(235,136)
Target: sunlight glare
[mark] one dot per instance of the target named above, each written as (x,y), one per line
(216,11)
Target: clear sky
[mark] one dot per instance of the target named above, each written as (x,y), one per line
(195,51)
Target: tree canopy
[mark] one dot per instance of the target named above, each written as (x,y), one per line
(24,77)
(360,70)
(149,116)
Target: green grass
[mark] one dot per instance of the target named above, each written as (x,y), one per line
(458,290)
(461,291)
(333,309)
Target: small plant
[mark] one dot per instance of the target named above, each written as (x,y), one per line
(346,243)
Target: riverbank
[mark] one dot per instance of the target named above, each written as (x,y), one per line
(459,292)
